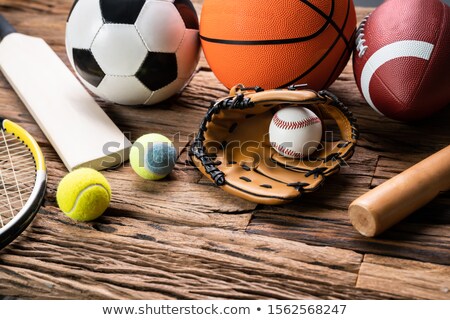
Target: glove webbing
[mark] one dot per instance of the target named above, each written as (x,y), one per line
(239,101)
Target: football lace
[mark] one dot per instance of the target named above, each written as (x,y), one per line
(360,41)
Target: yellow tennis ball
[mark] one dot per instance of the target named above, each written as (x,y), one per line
(153,156)
(83,194)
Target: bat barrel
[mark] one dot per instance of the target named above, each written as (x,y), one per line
(5,28)
(392,201)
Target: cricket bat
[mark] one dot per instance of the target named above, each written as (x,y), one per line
(76,126)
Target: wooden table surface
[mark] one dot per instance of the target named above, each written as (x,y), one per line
(184,238)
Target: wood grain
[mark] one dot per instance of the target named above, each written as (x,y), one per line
(183,238)
(134,257)
(409,278)
(416,238)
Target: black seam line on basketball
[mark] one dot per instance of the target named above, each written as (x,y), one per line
(265,42)
(328,82)
(269,42)
(326,53)
(331,22)
(313,66)
(260,195)
(318,62)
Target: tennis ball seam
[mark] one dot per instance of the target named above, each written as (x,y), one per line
(80,194)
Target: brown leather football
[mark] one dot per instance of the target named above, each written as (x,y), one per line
(402,58)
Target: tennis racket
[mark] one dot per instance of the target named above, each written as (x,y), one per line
(23,180)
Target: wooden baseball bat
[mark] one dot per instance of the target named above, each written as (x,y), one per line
(392,201)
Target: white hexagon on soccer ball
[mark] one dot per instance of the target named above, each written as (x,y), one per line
(124,90)
(119,50)
(84,22)
(161,26)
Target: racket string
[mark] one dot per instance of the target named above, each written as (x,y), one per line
(13,170)
(13,150)
(17,176)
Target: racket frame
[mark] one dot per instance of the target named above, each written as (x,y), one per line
(23,218)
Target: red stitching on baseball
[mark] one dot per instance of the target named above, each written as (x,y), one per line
(293,125)
(286,151)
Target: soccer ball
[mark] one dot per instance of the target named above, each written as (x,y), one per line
(133,52)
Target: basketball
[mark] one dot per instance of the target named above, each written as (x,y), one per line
(274,44)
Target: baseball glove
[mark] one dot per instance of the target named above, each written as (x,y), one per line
(232,147)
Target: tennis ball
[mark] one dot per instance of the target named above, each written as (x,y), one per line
(153,156)
(83,194)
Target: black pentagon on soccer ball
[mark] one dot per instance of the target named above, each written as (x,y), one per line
(187,13)
(87,67)
(158,70)
(121,11)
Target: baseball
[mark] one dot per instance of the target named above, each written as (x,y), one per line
(295,132)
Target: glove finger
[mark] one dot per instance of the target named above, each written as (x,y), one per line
(258,178)
(328,160)
(303,180)
(243,181)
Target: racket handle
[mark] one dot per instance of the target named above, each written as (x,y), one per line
(395,199)
(5,28)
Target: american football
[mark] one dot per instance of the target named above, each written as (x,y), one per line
(133,52)
(401,62)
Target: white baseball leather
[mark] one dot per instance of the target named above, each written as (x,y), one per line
(295,132)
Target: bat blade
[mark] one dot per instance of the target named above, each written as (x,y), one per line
(79,130)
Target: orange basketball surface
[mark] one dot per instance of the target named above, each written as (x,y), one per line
(274,44)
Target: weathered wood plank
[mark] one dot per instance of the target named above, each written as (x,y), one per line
(178,199)
(50,27)
(42,7)
(55,7)
(408,278)
(129,257)
(416,238)
(388,168)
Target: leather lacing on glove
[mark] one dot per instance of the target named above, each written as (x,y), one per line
(264,176)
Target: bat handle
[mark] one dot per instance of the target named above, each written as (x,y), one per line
(5,28)
(395,199)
